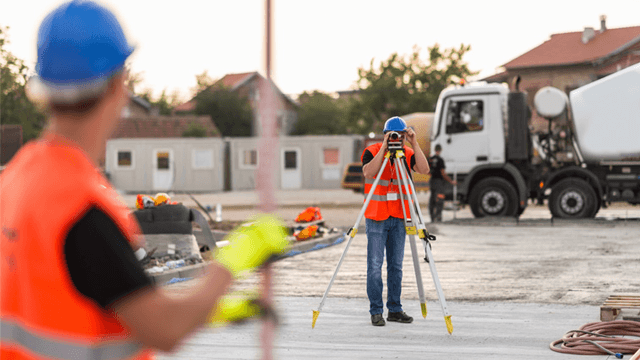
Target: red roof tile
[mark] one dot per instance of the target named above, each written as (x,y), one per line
(162,126)
(231,80)
(186,107)
(567,48)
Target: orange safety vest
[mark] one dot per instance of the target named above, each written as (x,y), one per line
(48,186)
(383,204)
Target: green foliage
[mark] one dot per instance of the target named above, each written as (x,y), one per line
(231,113)
(195,130)
(320,114)
(203,82)
(405,84)
(165,103)
(15,107)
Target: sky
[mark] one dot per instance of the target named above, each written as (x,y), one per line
(319,45)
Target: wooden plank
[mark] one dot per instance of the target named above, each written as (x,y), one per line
(611,307)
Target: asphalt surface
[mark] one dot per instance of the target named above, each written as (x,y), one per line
(512,287)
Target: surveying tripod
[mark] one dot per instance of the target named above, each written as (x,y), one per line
(414,225)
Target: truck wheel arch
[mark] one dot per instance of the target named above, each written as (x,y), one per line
(507,171)
(576,171)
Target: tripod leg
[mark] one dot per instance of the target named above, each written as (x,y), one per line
(429,255)
(422,228)
(411,231)
(352,233)
(436,281)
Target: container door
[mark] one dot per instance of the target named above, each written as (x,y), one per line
(163,169)
(291,173)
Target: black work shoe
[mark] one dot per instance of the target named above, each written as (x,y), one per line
(400,317)
(377,320)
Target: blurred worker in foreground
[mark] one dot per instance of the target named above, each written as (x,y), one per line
(437,185)
(385,220)
(71,284)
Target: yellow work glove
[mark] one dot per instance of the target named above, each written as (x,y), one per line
(253,244)
(234,308)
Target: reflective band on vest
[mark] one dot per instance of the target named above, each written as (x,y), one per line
(380,183)
(381,206)
(12,333)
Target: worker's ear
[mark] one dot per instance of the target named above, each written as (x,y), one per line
(116,84)
(116,89)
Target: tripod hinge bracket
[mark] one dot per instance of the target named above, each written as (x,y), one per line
(399,154)
(411,230)
(352,232)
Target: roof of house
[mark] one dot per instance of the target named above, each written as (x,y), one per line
(568,48)
(162,126)
(231,81)
(140,101)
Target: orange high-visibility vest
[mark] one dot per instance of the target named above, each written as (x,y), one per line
(48,186)
(382,204)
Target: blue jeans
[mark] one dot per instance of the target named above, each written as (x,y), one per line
(384,235)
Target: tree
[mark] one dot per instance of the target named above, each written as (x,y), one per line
(15,107)
(319,114)
(195,130)
(203,82)
(164,103)
(405,84)
(231,113)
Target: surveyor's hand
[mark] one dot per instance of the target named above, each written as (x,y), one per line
(385,142)
(252,244)
(233,308)
(411,136)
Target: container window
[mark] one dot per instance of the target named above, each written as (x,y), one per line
(125,158)
(331,156)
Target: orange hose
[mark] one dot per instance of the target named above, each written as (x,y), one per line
(604,333)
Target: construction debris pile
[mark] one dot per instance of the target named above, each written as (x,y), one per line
(170,242)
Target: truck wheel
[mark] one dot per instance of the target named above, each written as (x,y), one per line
(572,198)
(493,197)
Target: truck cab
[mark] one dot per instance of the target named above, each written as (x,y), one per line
(473,125)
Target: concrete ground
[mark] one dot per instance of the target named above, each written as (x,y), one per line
(512,287)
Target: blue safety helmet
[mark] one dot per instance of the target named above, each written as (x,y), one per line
(80,46)
(394,124)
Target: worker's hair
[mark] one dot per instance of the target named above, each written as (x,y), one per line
(438,147)
(79,108)
(84,104)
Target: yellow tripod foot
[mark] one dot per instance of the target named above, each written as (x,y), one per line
(315,317)
(447,320)
(423,306)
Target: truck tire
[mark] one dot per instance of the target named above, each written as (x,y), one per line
(572,199)
(493,196)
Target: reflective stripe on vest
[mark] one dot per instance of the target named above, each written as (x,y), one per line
(13,333)
(384,183)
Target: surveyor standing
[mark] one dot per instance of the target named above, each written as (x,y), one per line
(71,286)
(385,220)
(437,185)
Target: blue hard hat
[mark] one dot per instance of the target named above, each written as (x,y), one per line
(395,124)
(80,43)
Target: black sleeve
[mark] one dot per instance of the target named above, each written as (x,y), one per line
(366,157)
(101,262)
(413,161)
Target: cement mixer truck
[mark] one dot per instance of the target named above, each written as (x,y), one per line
(588,158)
